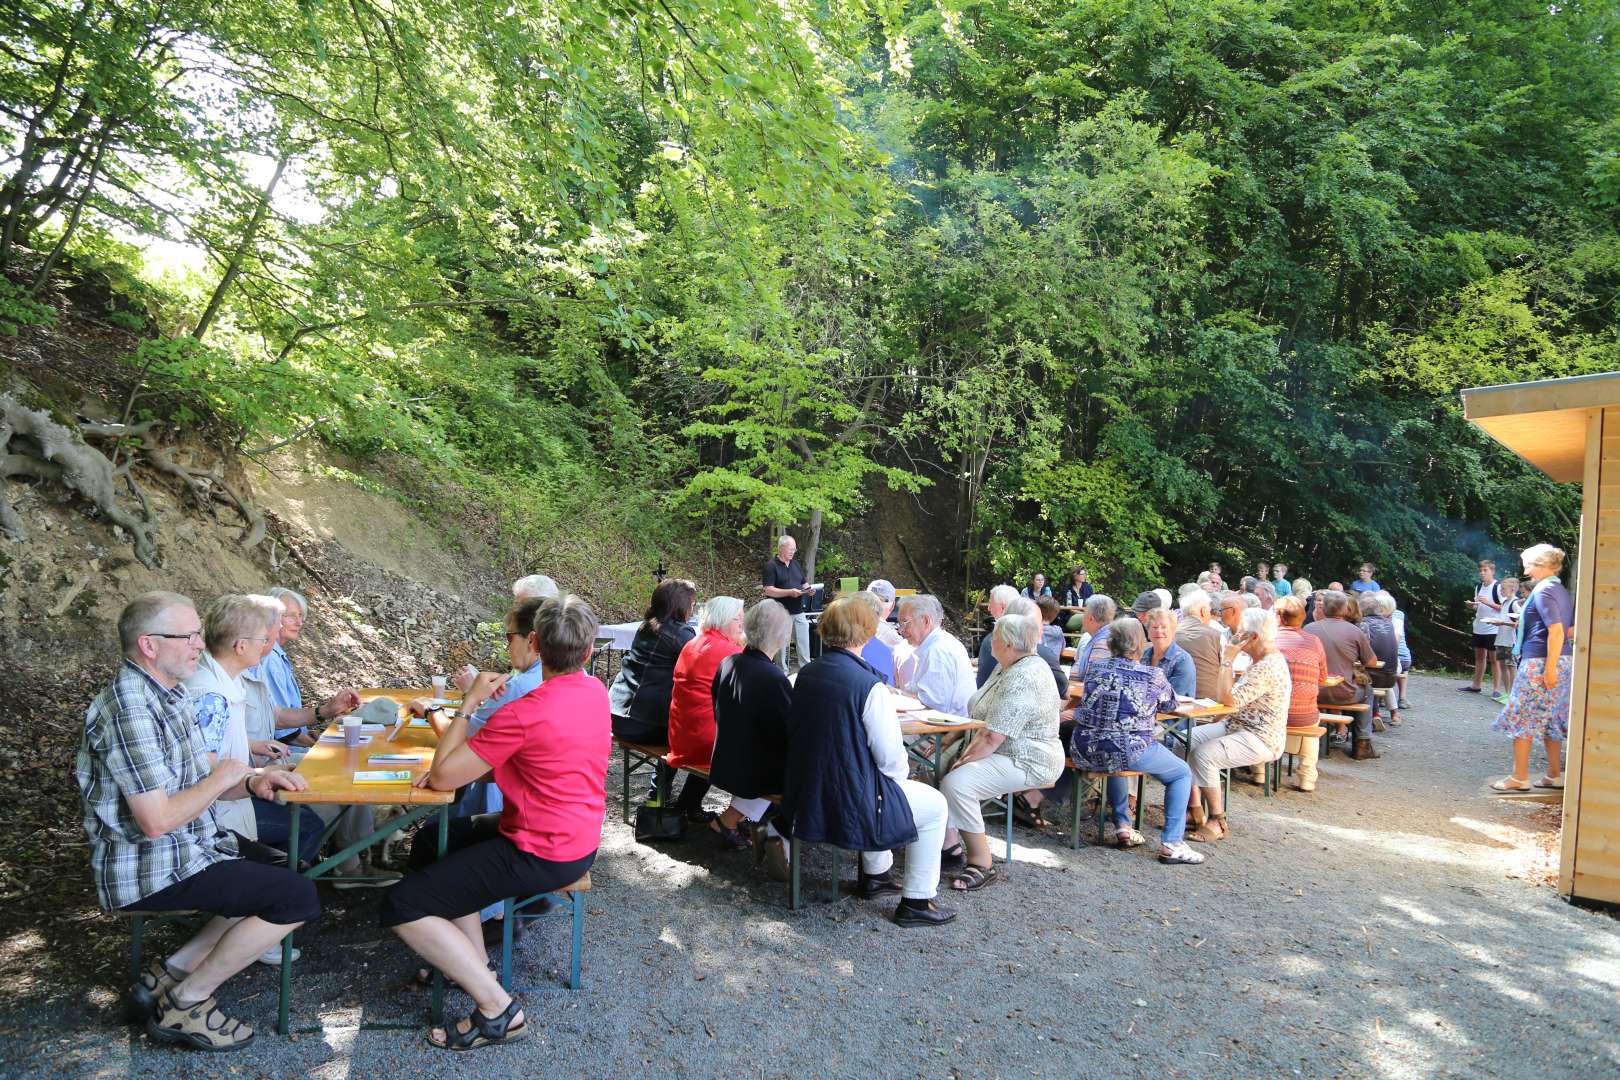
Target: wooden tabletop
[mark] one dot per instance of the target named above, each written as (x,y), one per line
(918,727)
(329,768)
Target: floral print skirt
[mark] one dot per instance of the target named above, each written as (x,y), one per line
(1533,711)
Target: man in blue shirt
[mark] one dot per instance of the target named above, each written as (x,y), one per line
(276,672)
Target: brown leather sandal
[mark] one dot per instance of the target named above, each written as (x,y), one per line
(201,1026)
(1214,828)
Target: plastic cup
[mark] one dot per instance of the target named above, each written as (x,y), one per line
(439,684)
(351,731)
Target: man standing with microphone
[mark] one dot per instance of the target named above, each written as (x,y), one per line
(784,582)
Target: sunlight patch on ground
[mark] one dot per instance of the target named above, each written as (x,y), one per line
(338,1030)
(1498,832)
(1606,972)
(1045,858)
(1410,847)
(1509,987)
(669,937)
(1299,966)
(1412,911)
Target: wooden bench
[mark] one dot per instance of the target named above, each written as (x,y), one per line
(1341,723)
(1102,799)
(570,903)
(637,755)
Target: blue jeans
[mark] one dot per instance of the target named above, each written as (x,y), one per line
(1167,769)
(275,826)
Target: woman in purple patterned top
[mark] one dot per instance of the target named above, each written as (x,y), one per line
(1116,729)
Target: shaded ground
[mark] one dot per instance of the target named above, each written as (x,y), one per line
(1395,923)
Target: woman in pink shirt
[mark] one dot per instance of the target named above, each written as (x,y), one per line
(548,752)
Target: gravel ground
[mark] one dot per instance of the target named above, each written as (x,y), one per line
(1395,923)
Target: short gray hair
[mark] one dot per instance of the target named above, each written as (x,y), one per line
(1003,595)
(1250,600)
(924,604)
(1024,606)
(1266,588)
(767,626)
(1370,604)
(719,611)
(534,587)
(1387,599)
(142,615)
(785,539)
(1227,598)
(1126,637)
(1187,589)
(287,594)
(1259,623)
(1019,632)
(565,629)
(234,616)
(1101,608)
(1301,585)
(1197,600)
(883,589)
(1543,555)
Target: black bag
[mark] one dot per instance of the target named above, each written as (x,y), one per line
(659,823)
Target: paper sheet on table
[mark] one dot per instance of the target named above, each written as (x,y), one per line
(934,716)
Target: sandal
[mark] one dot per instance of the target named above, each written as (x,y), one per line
(1179,855)
(201,1026)
(149,989)
(1127,837)
(974,877)
(1214,828)
(1511,783)
(953,858)
(734,839)
(1554,782)
(1027,814)
(483,1030)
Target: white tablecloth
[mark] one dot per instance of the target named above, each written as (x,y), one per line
(622,633)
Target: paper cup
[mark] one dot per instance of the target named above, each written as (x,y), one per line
(351,731)
(439,683)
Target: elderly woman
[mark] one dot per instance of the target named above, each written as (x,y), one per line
(878,652)
(752,696)
(1307,667)
(847,781)
(1017,750)
(1116,730)
(640,694)
(1164,654)
(549,752)
(1376,609)
(1252,735)
(1538,704)
(691,707)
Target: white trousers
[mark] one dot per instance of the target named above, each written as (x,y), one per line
(1307,747)
(801,642)
(922,855)
(1214,748)
(967,786)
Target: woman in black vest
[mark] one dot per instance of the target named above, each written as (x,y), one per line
(639,696)
(752,697)
(847,779)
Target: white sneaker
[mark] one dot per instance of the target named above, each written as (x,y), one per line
(272,955)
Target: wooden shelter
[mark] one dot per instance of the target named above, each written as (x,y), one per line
(1570,430)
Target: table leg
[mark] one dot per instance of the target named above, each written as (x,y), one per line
(438,976)
(283,1012)
(939,755)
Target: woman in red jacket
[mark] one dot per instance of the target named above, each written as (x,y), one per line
(691,706)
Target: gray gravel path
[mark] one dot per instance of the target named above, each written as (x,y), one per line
(1391,924)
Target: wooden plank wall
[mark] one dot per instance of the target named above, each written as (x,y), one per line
(1590,867)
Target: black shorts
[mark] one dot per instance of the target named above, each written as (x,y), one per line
(480,867)
(1485,641)
(237,888)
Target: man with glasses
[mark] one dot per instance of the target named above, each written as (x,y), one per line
(149,790)
(939,672)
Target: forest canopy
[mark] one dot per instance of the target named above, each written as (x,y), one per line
(1135,284)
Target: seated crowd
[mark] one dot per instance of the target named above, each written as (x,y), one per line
(188,754)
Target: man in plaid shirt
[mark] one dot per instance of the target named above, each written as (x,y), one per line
(148,791)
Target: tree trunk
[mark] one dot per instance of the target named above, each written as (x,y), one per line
(234,267)
(811,543)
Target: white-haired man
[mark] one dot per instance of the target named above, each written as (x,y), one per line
(293,718)
(939,673)
(149,789)
(1202,641)
(783,580)
(996,606)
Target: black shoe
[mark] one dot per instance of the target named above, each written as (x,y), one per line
(736,839)
(700,817)
(494,927)
(873,885)
(906,915)
(953,858)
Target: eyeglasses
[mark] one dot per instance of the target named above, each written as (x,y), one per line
(194,637)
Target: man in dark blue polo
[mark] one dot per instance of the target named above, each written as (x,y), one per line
(783,579)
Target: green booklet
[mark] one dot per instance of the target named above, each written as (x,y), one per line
(383,776)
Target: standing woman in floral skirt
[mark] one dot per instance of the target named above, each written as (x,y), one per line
(1538,706)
